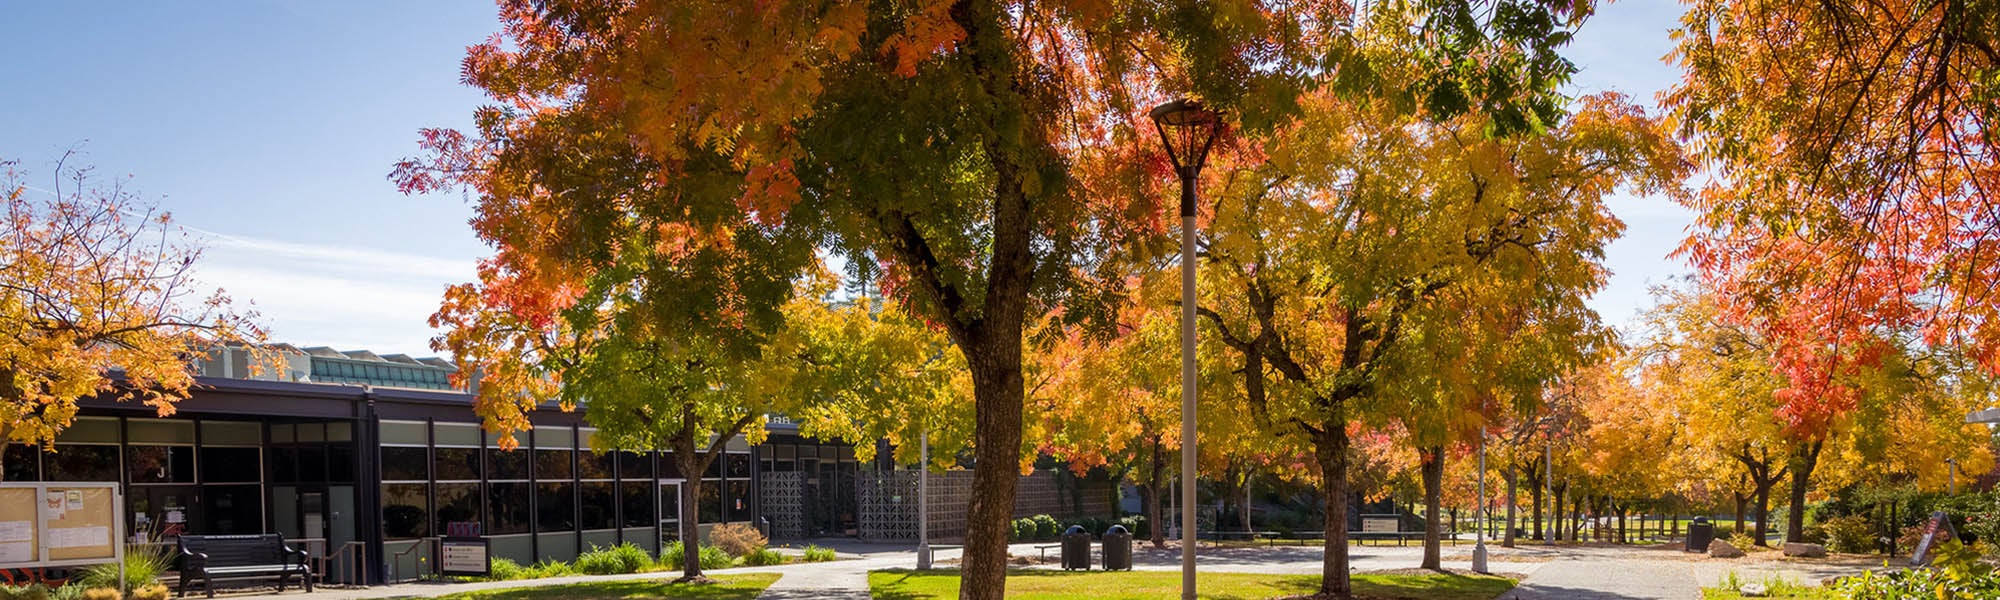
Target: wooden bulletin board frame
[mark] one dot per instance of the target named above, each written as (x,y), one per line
(69,524)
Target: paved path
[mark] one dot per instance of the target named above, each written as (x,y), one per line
(1567,573)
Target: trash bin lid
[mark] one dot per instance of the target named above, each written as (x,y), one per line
(1701,520)
(1116,529)
(1073,529)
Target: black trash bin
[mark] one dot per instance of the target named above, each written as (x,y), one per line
(1700,533)
(1117,549)
(1076,548)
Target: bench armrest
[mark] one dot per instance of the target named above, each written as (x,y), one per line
(193,561)
(303,555)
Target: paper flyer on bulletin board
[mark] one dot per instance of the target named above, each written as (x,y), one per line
(17,526)
(83,526)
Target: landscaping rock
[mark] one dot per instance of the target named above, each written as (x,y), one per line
(1805,550)
(1724,549)
(1753,590)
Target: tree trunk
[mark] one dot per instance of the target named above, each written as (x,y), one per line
(1763,496)
(1155,528)
(1244,509)
(1803,462)
(1330,448)
(1535,493)
(997,392)
(1507,541)
(1556,516)
(1741,502)
(1433,468)
(690,464)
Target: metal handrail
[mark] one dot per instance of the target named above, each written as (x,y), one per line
(396,561)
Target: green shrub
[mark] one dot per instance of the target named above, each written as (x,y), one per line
(1046,527)
(818,554)
(715,558)
(764,557)
(549,568)
(1851,534)
(33,591)
(505,569)
(1746,541)
(143,566)
(1957,573)
(67,592)
(1136,525)
(1024,530)
(711,557)
(622,558)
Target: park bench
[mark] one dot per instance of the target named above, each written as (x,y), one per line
(212,557)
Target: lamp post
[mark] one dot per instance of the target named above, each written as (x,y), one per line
(1188,130)
(1479,539)
(924,497)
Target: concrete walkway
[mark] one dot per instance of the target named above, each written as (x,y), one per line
(1567,573)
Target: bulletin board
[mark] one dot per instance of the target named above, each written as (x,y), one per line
(79,523)
(19,512)
(60,524)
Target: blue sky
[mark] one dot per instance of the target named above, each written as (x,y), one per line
(269,128)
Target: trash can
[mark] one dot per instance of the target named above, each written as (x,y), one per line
(1700,533)
(1117,549)
(1075,548)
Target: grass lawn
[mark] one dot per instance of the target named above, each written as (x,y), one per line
(727,587)
(1797,593)
(1138,585)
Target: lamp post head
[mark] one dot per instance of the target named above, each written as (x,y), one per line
(1189,130)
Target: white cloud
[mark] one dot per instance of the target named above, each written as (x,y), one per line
(348,298)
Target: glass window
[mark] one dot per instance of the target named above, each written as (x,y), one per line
(555,506)
(507,505)
(402,463)
(159,431)
(340,463)
(73,462)
(456,434)
(160,464)
(457,503)
(231,509)
(457,464)
(218,433)
(22,462)
(101,430)
(739,465)
(554,437)
(593,465)
(340,431)
(632,465)
(739,501)
(403,511)
(312,463)
(230,465)
(506,464)
(638,503)
(404,432)
(714,469)
(668,469)
(708,502)
(553,465)
(597,505)
(670,503)
(284,464)
(286,433)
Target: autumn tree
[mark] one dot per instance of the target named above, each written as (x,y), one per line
(1854,189)
(985,154)
(98,297)
(1363,224)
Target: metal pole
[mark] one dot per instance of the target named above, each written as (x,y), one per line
(1549,486)
(1952,464)
(1479,540)
(924,498)
(1187,383)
